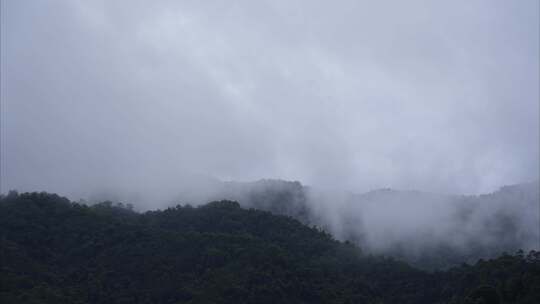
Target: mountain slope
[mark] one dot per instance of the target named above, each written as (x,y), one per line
(55,251)
(432,231)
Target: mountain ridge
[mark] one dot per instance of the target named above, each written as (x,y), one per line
(57,251)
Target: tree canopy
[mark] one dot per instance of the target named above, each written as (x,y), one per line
(57,251)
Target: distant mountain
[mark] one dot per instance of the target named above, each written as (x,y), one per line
(277,196)
(434,231)
(56,251)
(426,229)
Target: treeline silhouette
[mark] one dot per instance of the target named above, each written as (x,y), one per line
(56,251)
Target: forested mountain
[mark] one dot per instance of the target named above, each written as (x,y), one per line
(56,251)
(429,230)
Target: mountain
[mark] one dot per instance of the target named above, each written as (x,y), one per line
(429,230)
(436,231)
(56,251)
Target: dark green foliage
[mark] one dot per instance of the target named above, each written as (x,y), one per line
(55,251)
(478,227)
(484,294)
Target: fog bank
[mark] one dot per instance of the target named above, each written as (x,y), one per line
(144,97)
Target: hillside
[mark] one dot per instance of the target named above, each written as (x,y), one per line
(56,251)
(429,230)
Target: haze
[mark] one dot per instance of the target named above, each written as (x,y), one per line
(145,96)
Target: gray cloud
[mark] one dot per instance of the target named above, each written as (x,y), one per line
(143,96)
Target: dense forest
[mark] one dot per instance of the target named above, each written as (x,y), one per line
(428,230)
(57,251)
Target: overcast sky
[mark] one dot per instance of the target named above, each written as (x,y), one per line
(431,95)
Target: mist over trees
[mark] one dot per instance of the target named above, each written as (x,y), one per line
(57,251)
(398,141)
(429,230)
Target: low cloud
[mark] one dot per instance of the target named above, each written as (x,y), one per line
(146,97)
